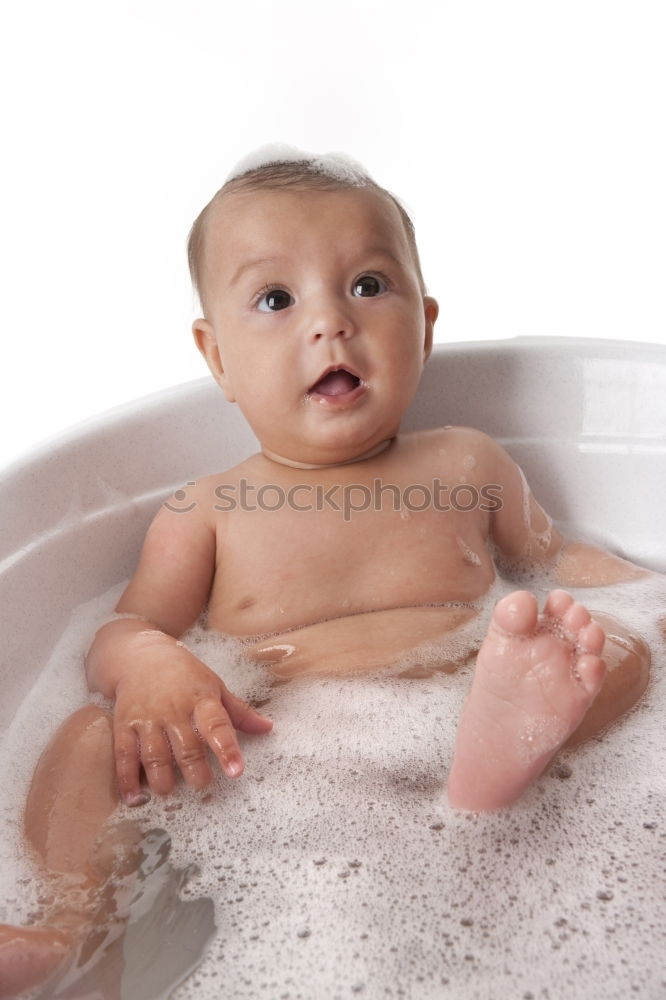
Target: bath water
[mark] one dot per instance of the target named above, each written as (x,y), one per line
(336,867)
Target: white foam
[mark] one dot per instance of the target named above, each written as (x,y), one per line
(336,165)
(337,867)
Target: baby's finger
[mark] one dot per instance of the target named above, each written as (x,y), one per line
(156,757)
(191,754)
(243,716)
(217,730)
(126,756)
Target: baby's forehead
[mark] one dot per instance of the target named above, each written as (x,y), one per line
(237,211)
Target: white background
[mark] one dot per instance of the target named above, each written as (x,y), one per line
(526,137)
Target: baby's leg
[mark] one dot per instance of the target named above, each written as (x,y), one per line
(72,795)
(532,691)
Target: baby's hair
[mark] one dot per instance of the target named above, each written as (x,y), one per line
(273,167)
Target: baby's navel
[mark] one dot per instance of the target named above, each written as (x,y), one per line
(468,554)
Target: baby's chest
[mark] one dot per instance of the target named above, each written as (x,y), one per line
(285,567)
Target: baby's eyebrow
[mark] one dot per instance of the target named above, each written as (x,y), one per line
(250,264)
(380,252)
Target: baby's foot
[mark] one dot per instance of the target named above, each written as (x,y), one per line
(535,678)
(28,955)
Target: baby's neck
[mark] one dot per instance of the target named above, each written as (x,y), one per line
(377,450)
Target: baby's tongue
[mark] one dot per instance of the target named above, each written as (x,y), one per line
(335,383)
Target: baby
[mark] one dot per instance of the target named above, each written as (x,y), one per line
(317,323)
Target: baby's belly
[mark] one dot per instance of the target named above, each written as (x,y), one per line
(417,640)
(270,603)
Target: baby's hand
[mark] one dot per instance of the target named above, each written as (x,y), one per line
(171,706)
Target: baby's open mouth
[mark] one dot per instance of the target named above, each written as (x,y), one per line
(336,383)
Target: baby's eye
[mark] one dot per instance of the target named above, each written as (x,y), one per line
(273,300)
(368,285)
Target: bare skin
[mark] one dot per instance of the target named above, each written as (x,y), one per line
(531,689)
(72,795)
(329,588)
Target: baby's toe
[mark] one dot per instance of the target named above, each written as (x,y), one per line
(591,638)
(517,613)
(591,670)
(557,603)
(574,619)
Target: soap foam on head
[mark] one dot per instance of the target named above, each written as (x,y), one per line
(336,861)
(338,166)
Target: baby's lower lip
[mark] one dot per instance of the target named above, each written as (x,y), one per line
(340,400)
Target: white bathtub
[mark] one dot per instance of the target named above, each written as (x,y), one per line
(586,420)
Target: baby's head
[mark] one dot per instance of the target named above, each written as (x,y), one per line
(316,319)
(280,167)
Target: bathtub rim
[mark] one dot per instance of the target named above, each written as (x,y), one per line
(77,539)
(577,346)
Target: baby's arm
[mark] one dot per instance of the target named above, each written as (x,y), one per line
(168,703)
(525,535)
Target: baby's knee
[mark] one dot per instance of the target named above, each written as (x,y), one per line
(91,721)
(73,790)
(626,654)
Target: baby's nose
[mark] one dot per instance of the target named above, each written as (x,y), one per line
(329,321)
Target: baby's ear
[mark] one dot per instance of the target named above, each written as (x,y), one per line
(206,341)
(431,310)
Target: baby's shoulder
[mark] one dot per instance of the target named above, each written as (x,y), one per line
(208,496)
(201,489)
(451,443)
